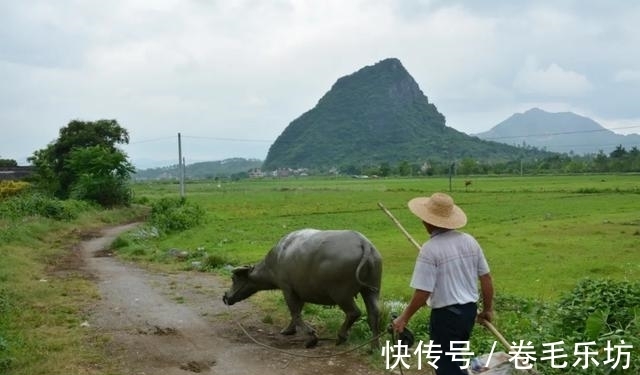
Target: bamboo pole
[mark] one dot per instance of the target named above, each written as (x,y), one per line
(399,226)
(497,334)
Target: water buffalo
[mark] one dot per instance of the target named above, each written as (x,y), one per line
(324,267)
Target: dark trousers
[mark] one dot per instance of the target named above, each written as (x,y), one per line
(451,323)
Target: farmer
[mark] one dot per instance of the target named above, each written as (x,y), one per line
(445,277)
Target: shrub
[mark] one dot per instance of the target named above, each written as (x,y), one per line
(606,312)
(175,215)
(215,261)
(617,302)
(41,205)
(119,243)
(107,191)
(11,188)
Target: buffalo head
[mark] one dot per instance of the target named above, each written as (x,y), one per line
(242,286)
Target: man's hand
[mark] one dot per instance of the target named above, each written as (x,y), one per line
(418,300)
(398,324)
(485,315)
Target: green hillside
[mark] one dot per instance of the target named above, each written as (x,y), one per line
(378,115)
(203,170)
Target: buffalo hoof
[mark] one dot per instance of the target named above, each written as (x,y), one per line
(288,331)
(312,342)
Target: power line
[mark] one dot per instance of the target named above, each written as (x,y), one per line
(229,139)
(152,140)
(562,133)
(201,137)
(576,146)
(226,139)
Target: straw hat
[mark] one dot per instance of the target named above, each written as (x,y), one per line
(438,210)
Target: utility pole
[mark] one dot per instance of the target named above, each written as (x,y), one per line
(451,173)
(183,174)
(180,166)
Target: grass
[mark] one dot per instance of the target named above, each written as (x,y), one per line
(540,234)
(43,298)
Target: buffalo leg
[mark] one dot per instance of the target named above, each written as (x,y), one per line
(370,299)
(352,313)
(295,309)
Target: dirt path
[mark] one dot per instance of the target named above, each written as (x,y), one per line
(176,324)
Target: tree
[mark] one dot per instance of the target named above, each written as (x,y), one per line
(619,160)
(8,163)
(101,175)
(618,153)
(404,168)
(600,162)
(468,166)
(634,154)
(385,169)
(61,167)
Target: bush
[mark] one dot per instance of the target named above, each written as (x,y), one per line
(11,188)
(107,191)
(606,312)
(175,215)
(617,302)
(41,205)
(215,261)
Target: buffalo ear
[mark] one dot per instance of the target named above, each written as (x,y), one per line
(242,271)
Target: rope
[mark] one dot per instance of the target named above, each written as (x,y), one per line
(394,339)
(308,355)
(302,355)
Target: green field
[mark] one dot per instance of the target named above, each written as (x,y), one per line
(564,250)
(541,235)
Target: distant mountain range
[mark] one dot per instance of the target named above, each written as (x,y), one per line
(200,171)
(378,115)
(563,132)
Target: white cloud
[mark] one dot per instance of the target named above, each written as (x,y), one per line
(552,81)
(246,69)
(451,47)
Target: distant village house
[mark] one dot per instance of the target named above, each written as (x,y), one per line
(15,173)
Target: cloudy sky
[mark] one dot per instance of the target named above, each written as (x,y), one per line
(231,75)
